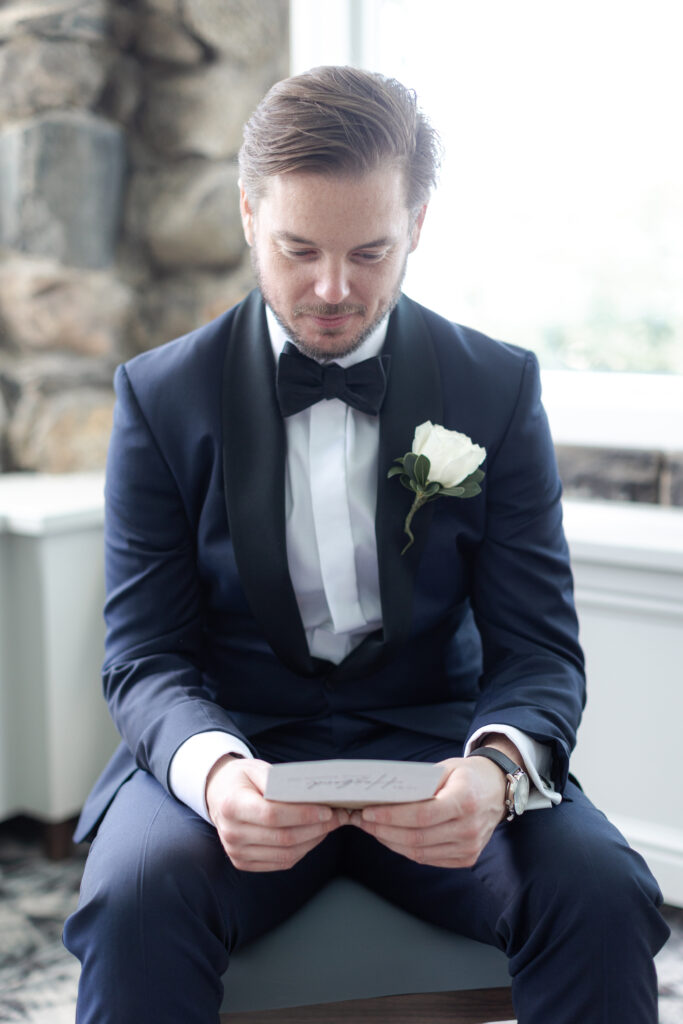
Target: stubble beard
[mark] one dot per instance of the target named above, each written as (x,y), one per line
(345,348)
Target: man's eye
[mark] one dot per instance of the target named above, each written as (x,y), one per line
(370,257)
(299,254)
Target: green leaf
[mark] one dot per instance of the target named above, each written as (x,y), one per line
(471,484)
(432,489)
(470,490)
(421,470)
(409,460)
(395,470)
(467,488)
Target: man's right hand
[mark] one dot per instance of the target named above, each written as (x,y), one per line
(259,834)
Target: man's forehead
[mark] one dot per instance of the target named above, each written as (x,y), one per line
(386,177)
(330,212)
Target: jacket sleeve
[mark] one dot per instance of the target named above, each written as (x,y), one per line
(522,588)
(152,673)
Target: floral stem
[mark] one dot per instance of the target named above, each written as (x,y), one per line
(419,501)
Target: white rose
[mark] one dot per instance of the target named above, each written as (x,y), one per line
(452,456)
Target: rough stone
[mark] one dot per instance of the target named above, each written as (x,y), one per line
(189,215)
(200,112)
(44,305)
(44,74)
(123,25)
(160,38)
(123,91)
(51,373)
(176,79)
(169,7)
(4,424)
(73,19)
(63,176)
(63,433)
(180,303)
(675,469)
(613,474)
(242,30)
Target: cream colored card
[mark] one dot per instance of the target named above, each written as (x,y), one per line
(353,783)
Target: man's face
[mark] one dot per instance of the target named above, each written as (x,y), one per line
(330,253)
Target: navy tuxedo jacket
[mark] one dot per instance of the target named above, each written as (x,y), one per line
(203,629)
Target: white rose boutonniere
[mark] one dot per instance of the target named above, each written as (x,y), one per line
(441,462)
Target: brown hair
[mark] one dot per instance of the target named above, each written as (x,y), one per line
(339,120)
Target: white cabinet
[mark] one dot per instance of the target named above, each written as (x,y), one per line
(628,570)
(55,731)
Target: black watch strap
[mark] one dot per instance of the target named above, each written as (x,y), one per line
(505,763)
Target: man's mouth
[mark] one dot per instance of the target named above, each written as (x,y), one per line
(332,321)
(328,312)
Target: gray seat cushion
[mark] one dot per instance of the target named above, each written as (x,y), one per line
(349,943)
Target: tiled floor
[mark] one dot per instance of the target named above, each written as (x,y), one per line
(38,978)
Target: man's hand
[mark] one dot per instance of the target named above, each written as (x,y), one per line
(452,828)
(259,834)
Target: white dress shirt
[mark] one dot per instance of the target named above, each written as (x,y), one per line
(330,499)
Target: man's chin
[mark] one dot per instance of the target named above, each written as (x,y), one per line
(327,343)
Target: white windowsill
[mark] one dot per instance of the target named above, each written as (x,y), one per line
(625,533)
(615,410)
(39,504)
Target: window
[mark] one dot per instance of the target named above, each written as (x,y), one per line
(558,222)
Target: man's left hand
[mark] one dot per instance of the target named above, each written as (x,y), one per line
(452,828)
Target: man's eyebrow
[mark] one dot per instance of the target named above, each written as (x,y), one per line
(288,236)
(378,243)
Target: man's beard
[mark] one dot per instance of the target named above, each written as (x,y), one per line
(345,348)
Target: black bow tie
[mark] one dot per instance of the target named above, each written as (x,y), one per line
(302,382)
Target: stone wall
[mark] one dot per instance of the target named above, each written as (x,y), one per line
(120,122)
(621,474)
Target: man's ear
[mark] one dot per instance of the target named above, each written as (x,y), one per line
(417,228)
(247,215)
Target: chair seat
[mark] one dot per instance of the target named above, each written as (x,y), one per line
(348,943)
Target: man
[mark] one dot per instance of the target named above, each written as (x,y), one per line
(263,606)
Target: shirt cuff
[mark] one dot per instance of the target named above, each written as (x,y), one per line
(537,758)
(192,762)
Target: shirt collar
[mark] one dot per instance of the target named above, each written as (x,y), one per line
(372,346)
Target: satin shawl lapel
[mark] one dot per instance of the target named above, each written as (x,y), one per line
(254,481)
(413,396)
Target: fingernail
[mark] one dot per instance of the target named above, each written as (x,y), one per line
(325,813)
(369,816)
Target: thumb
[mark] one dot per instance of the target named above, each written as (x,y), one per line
(255,773)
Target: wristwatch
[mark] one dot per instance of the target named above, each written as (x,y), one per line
(517,789)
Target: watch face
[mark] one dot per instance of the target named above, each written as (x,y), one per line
(520,792)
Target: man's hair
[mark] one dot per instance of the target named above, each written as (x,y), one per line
(339,120)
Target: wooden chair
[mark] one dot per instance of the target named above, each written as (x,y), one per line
(349,955)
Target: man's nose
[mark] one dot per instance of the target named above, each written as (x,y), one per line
(332,283)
